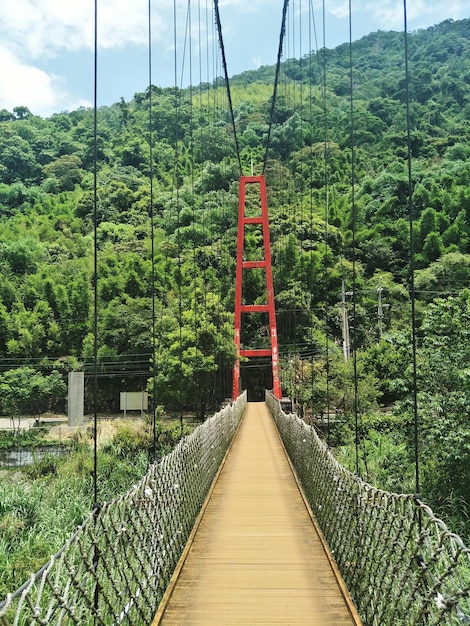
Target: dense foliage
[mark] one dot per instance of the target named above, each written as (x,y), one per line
(47,224)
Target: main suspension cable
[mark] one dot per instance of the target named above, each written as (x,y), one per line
(276,80)
(227,82)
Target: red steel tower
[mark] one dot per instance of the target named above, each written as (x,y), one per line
(264,264)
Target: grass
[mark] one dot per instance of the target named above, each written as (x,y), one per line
(43,503)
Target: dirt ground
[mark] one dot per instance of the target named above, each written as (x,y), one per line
(24,422)
(59,430)
(48,419)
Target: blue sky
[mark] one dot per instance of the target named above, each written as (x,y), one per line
(46,46)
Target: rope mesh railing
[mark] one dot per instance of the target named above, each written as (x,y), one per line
(400,563)
(117,565)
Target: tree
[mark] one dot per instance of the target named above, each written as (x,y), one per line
(5,116)
(25,391)
(432,247)
(190,357)
(444,403)
(21,112)
(17,161)
(22,256)
(67,170)
(450,272)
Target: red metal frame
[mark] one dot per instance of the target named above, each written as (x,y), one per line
(254,308)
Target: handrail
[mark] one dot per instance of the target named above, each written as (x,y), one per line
(401,564)
(139,537)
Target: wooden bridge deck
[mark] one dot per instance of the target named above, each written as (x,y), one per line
(256,556)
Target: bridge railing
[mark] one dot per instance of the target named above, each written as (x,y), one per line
(117,565)
(400,563)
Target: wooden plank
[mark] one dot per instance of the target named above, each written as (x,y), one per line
(256,556)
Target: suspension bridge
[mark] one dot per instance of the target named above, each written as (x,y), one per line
(257,555)
(235,533)
(250,519)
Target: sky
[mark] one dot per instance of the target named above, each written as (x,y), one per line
(46,46)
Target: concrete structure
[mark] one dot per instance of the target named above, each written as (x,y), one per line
(76,398)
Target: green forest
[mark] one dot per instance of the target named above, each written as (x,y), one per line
(167,195)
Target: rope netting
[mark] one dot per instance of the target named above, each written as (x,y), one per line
(117,565)
(400,563)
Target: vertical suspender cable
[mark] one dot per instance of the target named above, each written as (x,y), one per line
(353,225)
(178,219)
(301,217)
(310,121)
(412,264)
(289,95)
(289,338)
(95,302)
(312,35)
(327,211)
(196,321)
(192,165)
(95,258)
(152,239)
(205,235)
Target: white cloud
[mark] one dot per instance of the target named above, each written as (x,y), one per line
(388,14)
(420,13)
(37,35)
(338,8)
(36,28)
(25,85)
(251,6)
(33,32)
(44,27)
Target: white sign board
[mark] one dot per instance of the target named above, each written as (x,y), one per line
(134,401)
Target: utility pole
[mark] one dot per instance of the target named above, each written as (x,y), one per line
(380,313)
(345,324)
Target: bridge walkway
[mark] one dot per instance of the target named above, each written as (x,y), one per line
(256,555)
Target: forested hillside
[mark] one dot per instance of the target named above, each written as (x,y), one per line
(47,243)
